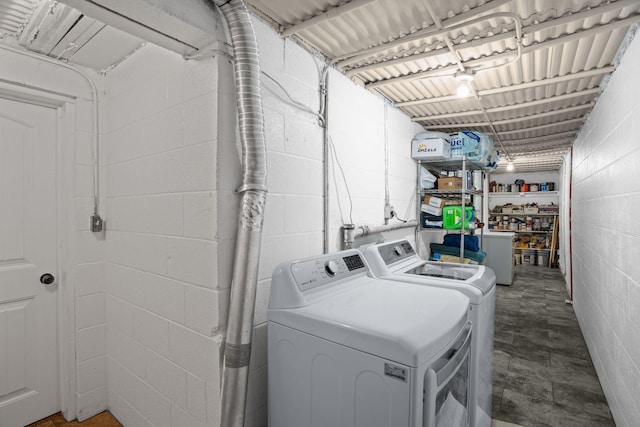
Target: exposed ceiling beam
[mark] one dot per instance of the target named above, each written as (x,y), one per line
(544,115)
(543,101)
(538,149)
(529,30)
(528,85)
(323,17)
(418,35)
(516,120)
(536,128)
(181,26)
(450,69)
(549,137)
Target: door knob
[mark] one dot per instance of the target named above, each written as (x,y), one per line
(47,279)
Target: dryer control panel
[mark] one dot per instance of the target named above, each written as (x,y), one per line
(396,251)
(327,269)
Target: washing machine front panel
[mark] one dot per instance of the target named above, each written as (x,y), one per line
(315,383)
(395,261)
(347,349)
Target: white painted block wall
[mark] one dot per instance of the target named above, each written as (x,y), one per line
(606,237)
(150,295)
(164,300)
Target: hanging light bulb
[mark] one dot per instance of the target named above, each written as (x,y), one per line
(464,84)
(510,166)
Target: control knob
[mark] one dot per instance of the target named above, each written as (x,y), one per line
(331,267)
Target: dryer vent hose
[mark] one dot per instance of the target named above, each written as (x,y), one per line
(237,350)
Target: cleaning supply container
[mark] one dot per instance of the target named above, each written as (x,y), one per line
(452,217)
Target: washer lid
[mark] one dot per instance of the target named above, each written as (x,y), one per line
(399,322)
(477,276)
(397,260)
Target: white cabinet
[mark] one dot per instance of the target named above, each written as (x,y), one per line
(499,250)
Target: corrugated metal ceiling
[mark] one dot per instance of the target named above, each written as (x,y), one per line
(538,66)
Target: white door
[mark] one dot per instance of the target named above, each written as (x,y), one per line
(28,310)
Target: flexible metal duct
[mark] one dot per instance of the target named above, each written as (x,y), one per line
(237,349)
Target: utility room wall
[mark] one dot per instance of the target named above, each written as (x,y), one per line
(606,237)
(165,296)
(173,163)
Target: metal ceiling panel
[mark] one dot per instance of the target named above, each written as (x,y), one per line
(14,16)
(533,91)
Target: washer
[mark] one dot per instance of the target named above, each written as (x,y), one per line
(397,260)
(347,349)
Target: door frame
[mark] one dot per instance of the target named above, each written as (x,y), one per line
(65,141)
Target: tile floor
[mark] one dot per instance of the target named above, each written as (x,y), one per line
(542,373)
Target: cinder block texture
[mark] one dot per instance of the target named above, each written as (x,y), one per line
(606,239)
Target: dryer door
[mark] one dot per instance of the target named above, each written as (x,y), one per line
(446,400)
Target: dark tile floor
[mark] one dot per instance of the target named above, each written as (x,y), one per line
(542,373)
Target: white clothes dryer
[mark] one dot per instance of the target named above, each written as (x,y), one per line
(397,260)
(347,349)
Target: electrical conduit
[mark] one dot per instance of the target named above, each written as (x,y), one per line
(237,349)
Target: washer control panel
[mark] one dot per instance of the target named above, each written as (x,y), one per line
(396,251)
(313,273)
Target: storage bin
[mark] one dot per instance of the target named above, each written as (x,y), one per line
(430,146)
(452,217)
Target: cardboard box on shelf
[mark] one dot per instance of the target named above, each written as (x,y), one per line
(531,210)
(436,202)
(451,183)
(431,210)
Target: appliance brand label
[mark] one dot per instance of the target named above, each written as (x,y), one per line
(395,371)
(424,148)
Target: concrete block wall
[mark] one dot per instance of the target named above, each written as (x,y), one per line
(163,299)
(149,296)
(606,237)
(293,226)
(360,126)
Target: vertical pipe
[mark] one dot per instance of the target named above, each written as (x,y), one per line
(324,111)
(237,349)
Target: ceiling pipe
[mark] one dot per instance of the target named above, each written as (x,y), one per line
(329,14)
(462,68)
(424,34)
(237,347)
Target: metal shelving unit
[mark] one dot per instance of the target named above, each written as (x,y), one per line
(457,163)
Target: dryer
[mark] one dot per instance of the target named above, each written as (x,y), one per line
(397,260)
(347,349)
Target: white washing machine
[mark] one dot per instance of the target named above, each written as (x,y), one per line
(397,260)
(347,349)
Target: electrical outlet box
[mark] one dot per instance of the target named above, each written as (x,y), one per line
(96,223)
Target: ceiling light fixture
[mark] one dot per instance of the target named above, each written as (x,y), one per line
(464,84)
(510,166)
